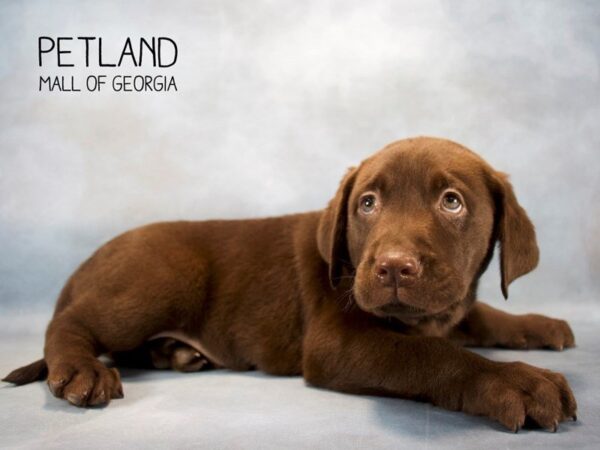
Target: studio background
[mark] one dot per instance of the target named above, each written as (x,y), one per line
(275,100)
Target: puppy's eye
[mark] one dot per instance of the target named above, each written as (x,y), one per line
(368,202)
(452,202)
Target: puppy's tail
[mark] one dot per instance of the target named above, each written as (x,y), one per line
(35,371)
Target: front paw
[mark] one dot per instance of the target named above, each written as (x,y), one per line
(511,392)
(535,331)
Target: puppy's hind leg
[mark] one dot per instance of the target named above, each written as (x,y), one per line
(168,353)
(101,324)
(164,354)
(74,372)
(140,284)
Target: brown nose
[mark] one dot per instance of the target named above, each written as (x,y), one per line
(397,269)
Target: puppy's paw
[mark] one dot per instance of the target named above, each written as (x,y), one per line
(534,331)
(85,383)
(512,392)
(188,359)
(169,353)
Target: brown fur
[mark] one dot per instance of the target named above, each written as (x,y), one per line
(305,294)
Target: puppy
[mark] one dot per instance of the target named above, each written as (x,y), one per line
(376,294)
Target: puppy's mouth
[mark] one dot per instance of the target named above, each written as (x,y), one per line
(398,308)
(401,306)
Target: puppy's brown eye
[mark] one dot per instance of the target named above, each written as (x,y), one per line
(451,202)
(368,202)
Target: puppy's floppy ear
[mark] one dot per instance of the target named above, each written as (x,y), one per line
(331,234)
(519,252)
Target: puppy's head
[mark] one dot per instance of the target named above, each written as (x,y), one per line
(416,225)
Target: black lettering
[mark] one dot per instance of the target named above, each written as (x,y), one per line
(44,81)
(40,51)
(160,62)
(100,55)
(150,47)
(127,51)
(87,40)
(60,52)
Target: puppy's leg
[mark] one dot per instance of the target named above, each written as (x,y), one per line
(169,353)
(91,326)
(485,326)
(164,354)
(83,330)
(352,356)
(74,372)
(140,284)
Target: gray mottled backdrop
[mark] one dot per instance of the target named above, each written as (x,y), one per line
(275,100)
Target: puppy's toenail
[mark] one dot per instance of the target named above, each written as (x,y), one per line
(56,383)
(74,398)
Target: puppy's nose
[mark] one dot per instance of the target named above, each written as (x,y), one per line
(397,268)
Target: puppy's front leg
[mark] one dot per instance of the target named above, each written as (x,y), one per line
(370,360)
(485,326)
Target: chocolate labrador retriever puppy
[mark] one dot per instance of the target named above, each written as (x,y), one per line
(374,295)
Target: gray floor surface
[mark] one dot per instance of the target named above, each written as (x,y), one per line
(222,409)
